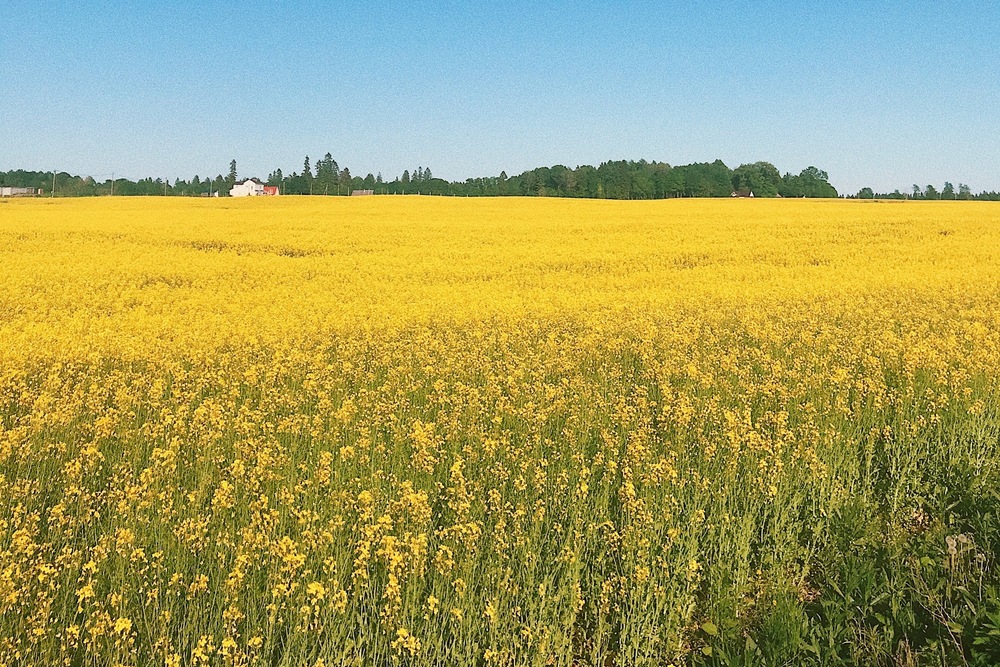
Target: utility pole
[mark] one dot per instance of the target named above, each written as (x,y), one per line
(112,184)
(53,182)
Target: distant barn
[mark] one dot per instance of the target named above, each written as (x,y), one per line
(362,193)
(9,191)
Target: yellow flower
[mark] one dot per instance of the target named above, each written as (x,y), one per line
(365,498)
(316,590)
(123,626)
(406,642)
(199,585)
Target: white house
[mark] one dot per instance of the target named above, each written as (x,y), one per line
(253,188)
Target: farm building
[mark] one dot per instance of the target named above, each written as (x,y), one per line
(362,193)
(9,191)
(253,188)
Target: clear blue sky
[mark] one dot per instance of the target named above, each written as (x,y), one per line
(884,94)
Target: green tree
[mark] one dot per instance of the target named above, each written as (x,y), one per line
(334,170)
(307,176)
(231,178)
(866,193)
(948,192)
(673,183)
(815,183)
(761,178)
(791,186)
(326,175)
(702,179)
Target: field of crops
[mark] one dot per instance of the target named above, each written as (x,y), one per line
(443,431)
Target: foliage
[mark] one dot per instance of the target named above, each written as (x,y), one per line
(930,192)
(760,178)
(611,180)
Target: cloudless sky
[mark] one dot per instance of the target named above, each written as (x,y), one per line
(884,94)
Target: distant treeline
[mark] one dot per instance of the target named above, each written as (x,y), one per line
(611,180)
(964,192)
(622,179)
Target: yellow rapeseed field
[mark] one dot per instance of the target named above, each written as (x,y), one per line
(413,430)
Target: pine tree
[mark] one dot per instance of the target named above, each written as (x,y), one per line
(307,174)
